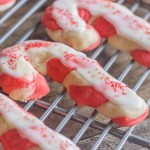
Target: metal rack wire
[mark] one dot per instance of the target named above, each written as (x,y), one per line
(54,108)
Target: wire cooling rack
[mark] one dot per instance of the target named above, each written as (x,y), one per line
(87,132)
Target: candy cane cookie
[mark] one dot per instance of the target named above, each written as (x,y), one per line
(89,85)
(18,77)
(113,21)
(85,80)
(6,4)
(20,130)
(72,29)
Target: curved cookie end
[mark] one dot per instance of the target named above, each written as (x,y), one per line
(124,121)
(142,57)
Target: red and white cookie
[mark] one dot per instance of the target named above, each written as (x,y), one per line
(113,21)
(72,30)
(85,80)
(89,85)
(20,130)
(18,76)
(6,4)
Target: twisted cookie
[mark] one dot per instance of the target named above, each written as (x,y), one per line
(85,80)
(5,4)
(18,75)
(113,21)
(89,85)
(19,130)
(63,24)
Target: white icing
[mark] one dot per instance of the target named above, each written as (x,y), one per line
(23,68)
(126,23)
(32,128)
(55,50)
(3,7)
(69,18)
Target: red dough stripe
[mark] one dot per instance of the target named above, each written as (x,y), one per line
(3,2)
(41,87)
(84,14)
(104,28)
(49,21)
(142,57)
(9,83)
(56,70)
(124,121)
(12,140)
(86,96)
